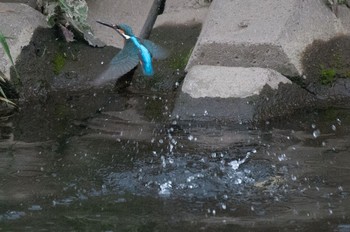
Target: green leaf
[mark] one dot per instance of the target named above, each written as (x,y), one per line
(6,47)
(7,52)
(76,13)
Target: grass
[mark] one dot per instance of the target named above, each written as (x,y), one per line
(2,76)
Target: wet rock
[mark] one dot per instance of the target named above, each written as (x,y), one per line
(237,94)
(138,14)
(326,66)
(18,24)
(270,34)
(48,64)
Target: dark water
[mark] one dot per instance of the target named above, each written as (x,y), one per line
(119,164)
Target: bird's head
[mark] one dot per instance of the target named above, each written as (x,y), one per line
(123,29)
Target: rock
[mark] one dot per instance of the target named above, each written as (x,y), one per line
(237,94)
(138,14)
(31,3)
(183,12)
(326,66)
(270,34)
(344,16)
(18,21)
(180,5)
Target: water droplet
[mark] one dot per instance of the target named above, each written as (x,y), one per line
(316,133)
(338,121)
(190,137)
(162,158)
(165,188)
(234,164)
(161,141)
(205,113)
(313,126)
(173,141)
(282,157)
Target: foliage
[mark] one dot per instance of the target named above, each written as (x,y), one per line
(2,76)
(6,48)
(70,13)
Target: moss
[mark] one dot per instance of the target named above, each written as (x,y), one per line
(180,60)
(328,76)
(58,62)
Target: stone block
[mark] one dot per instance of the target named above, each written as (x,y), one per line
(237,94)
(269,34)
(18,21)
(183,12)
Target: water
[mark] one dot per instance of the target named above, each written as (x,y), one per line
(119,166)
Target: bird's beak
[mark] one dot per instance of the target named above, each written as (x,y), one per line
(106,24)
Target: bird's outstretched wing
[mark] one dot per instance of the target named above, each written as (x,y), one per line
(122,63)
(158,52)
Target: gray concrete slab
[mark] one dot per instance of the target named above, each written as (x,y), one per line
(179,5)
(183,12)
(185,17)
(18,22)
(136,13)
(225,82)
(269,33)
(237,94)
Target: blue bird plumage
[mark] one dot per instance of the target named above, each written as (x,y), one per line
(135,51)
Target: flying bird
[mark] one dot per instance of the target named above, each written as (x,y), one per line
(135,51)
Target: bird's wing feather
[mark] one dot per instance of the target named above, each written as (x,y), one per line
(122,63)
(158,52)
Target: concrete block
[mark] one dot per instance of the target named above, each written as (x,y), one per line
(343,13)
(237,94)
(183,12)
(138,14)
(179,5)
(270,33)
(18,22)
(185,17)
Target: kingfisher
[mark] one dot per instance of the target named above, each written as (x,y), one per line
(135,50)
